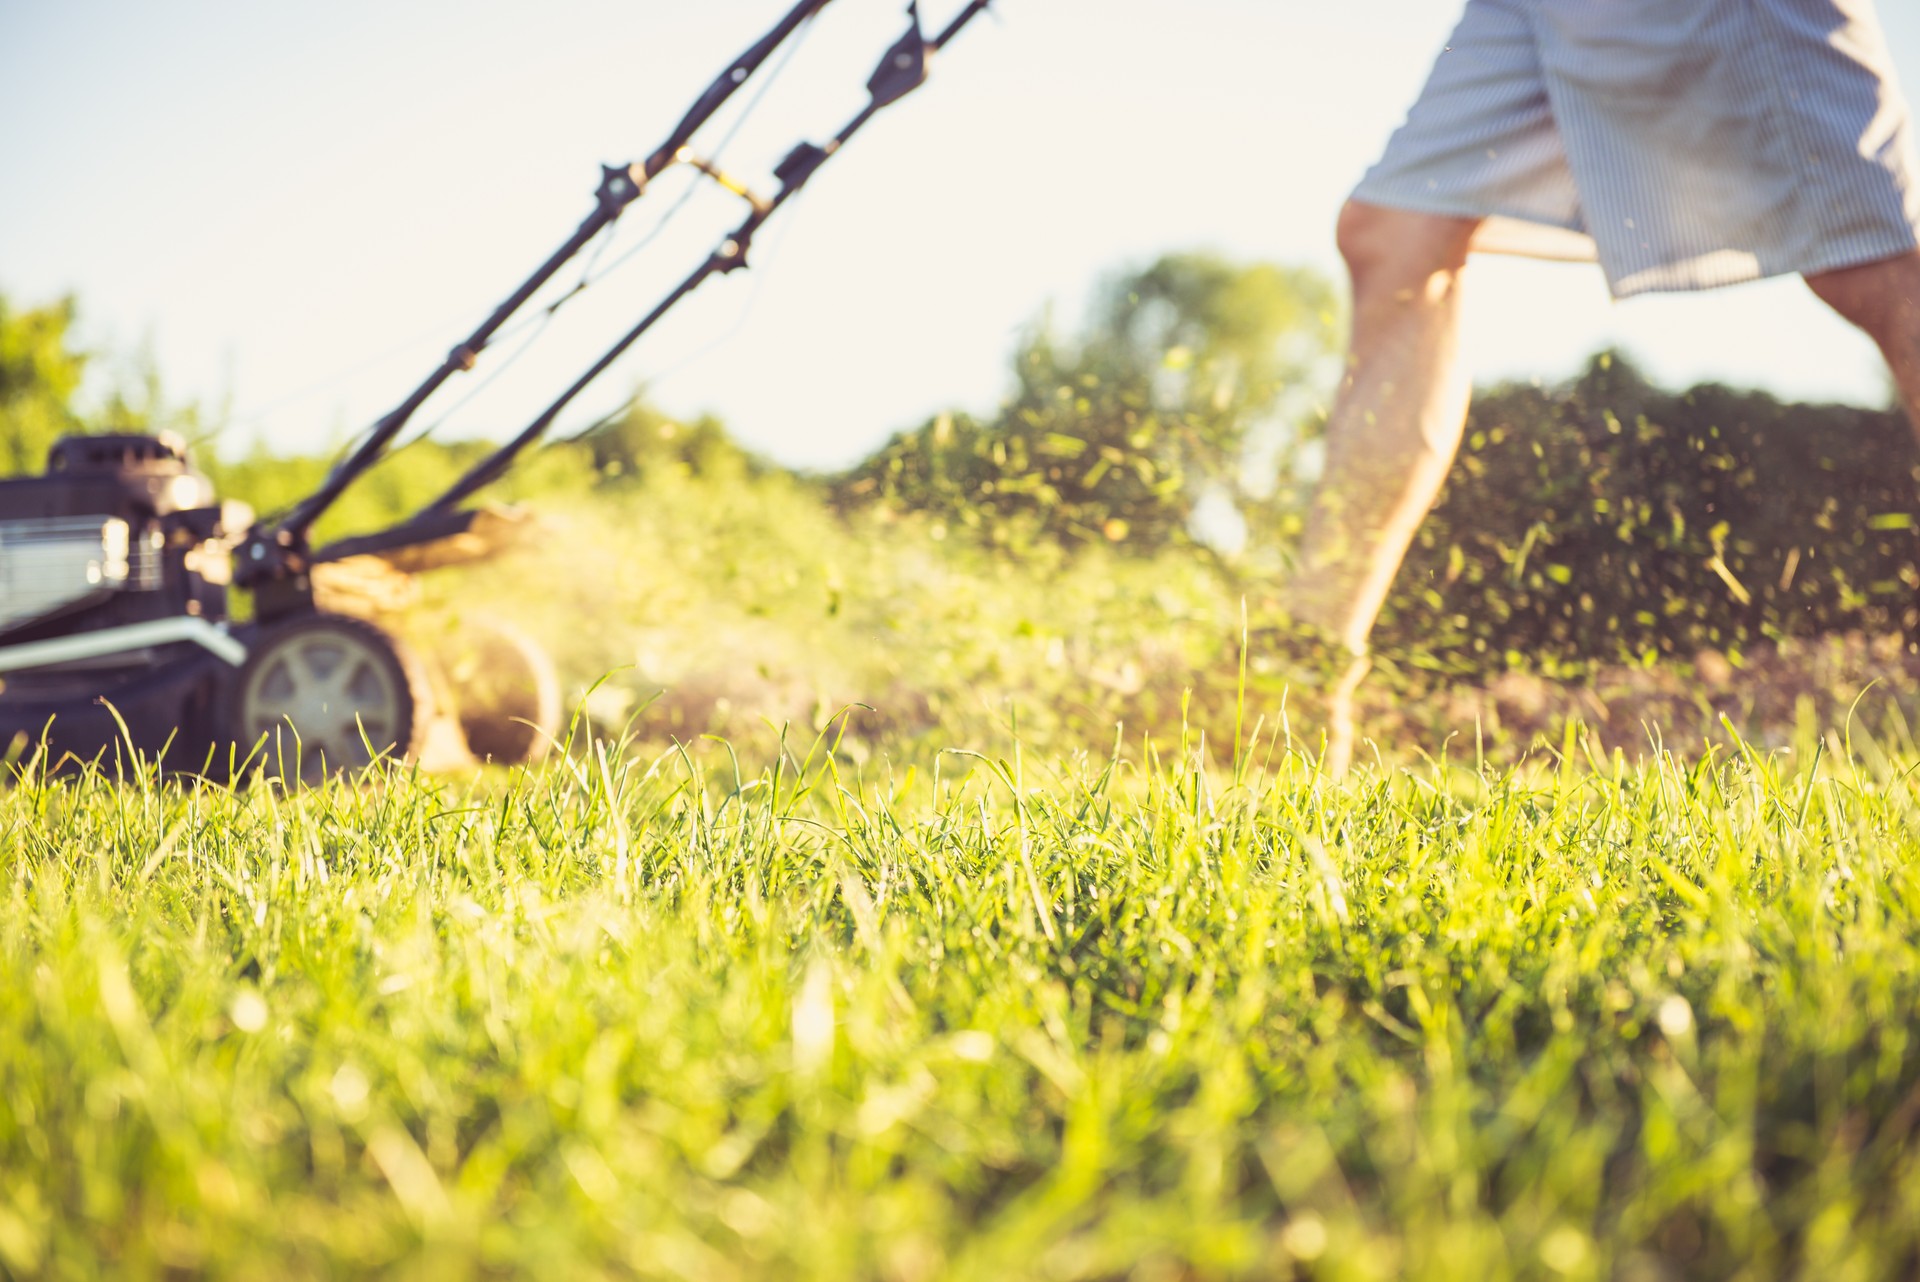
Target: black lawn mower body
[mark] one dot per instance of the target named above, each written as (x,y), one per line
(113,604)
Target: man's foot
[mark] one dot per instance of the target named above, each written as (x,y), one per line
(1316,675)
(1340,733)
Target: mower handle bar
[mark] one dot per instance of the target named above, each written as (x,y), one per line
(902,70)
(619,187)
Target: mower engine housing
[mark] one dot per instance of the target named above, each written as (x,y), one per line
(113,598)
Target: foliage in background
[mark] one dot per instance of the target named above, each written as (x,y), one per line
(1600,522)
(1185,386)
(645,442)
(39,374)
(640,444)
(735,608)
(397,487)
(1607,520)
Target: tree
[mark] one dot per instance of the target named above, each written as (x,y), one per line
(39,374)
(644,440)
(1187,383)
(1237,353)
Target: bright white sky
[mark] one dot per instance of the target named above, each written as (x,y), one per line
(301,206)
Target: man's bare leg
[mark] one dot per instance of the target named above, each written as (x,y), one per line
(1392,433)
(1883,299)
(1397,420)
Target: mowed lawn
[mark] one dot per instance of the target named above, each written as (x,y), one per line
(638,1018)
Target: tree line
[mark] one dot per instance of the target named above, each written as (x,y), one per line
(1600,520)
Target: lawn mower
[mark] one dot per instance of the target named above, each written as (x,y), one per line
(116,641)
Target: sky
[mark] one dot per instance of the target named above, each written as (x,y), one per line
(296,209)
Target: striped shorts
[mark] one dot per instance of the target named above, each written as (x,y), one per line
(1685,144)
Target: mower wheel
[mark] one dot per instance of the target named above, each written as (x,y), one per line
(328,694)
(506,690)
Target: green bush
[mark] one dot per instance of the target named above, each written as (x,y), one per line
(39,373)
(1608,520)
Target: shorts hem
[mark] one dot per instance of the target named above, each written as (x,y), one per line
(1831,258)
(1858,254)
(1681,277)
(1441,206)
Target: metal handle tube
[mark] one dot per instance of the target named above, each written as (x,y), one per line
(973,10)
(618,189)
(731,256)
(728,81)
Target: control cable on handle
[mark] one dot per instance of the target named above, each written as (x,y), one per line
(277,555)
(902,70)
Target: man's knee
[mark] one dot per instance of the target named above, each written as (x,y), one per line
(1399,248)
(1882,298)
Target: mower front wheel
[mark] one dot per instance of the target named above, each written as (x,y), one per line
(328,694)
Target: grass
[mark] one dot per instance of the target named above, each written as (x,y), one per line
(634,1017)
(696,1002)
(719,608)
(707,606)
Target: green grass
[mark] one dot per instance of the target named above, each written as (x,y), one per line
(709,607)
(635,1018)
(735,1009)
(716,608)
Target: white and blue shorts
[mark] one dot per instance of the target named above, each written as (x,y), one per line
(1685,144)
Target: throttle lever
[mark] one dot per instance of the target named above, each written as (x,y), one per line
(904,68)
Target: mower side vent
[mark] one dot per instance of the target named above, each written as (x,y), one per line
(51,565)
